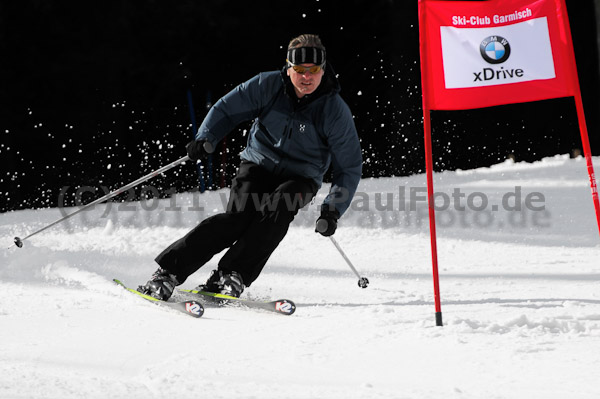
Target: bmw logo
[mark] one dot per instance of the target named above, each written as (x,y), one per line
(495,49)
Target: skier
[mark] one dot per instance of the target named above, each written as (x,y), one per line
(301,127)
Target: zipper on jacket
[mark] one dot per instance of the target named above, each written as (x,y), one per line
(290,125)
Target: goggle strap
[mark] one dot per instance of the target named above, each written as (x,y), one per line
(306,55)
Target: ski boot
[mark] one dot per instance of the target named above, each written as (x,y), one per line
(160,286)
(220,282)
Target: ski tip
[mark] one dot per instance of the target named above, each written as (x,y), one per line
(285,306)
(194,308)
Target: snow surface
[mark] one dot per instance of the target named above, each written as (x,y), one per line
(520,297)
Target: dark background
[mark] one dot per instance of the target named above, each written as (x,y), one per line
(98,93)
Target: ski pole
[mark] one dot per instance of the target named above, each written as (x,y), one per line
(207,147)
(363,282)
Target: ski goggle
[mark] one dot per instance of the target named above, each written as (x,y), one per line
(302,70)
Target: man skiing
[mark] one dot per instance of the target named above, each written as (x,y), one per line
(301,127)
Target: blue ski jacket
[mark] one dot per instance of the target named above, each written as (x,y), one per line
(291,136)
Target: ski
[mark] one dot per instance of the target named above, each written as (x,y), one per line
(281,306)
(191,307)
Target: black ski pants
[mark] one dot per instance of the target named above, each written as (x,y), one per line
(260,209)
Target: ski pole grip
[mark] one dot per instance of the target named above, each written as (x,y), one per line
(208,147)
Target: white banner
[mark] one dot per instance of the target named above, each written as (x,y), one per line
(476,57)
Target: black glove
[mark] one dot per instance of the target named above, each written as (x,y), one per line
(327,222)
(198,149)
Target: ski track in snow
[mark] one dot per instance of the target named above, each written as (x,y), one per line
(520,301)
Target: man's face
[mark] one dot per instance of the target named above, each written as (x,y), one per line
(307,82)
